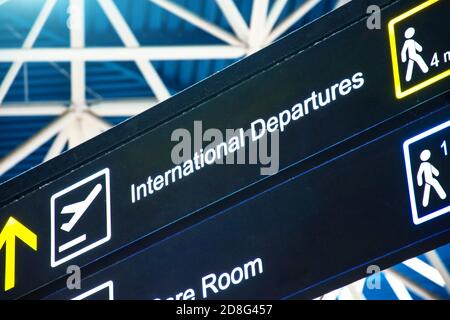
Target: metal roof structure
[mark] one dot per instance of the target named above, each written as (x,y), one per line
(86,65)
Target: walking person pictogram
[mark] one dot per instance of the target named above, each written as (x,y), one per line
(427,173)
(410,54)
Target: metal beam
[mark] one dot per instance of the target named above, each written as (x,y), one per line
(57,146)
(340,3)
(126,35)
(89,127)
(105,108)
(122,108)
(29,146)
(274,14)
(28,43)
(234,18)
(436,261)
(333,295)
(77,67)
(410,284)
(356,289)
(345,294)
(425,270)
(122,54)
(100,123)
(397,286)
(299,13)
(198,21)
(28,110)
(257,23)
(74,132)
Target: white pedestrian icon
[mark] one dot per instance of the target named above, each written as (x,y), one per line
(410,54)
(427,173)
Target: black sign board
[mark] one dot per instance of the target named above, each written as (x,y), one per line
(277,244)
(315,91)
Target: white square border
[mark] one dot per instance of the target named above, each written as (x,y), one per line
(409,175)
(109,285)
(53,261)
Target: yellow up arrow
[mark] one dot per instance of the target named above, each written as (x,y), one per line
(13,229)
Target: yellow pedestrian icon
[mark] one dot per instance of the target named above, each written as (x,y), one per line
(418,59)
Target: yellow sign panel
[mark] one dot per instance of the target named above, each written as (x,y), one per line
(411,51)
(12,230)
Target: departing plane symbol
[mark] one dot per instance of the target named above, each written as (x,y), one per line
(79,208)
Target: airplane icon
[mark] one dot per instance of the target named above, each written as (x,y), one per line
(80,217)
(79,208)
